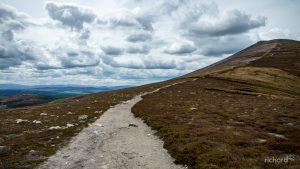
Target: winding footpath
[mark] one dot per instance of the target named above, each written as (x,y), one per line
(110,143)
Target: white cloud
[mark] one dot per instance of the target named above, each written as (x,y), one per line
(99,42)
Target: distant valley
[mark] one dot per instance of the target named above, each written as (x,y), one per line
(14,95)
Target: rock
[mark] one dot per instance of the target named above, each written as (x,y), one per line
(70,125)
(83,117)
(55,128)
(37,122)
(193,108)
(21,121)
(132,125)
(69,113)
(100,125)
(43,114)
(261,140)
(277,135)
(97,112)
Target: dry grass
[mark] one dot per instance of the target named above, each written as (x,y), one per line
(215,129)
(20,139)
(270,81)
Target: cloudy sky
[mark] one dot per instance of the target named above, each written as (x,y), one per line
(131,42)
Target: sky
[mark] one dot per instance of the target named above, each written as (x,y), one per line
(131,42)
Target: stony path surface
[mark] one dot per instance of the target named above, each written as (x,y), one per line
(110,143)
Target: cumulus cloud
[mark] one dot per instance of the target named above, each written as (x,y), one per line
(79,58)
(145,62)
(111,50)
(180,48)
(13,54)
(70,15)
(221,46)
(232,22)
(125,41)
(139,37)
(142,49)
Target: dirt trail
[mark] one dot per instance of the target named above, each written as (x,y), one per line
(109,143)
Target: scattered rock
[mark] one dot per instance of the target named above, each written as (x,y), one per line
(69,113)
(83,117)
(36,122)
(193,108)
(43,114)
(55,128)
(277,135)
(98,112)
(21,121)
(132,125)
(70,125)
(261,140)
(98,124)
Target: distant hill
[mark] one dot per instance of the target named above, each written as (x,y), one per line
(22,100)
(21,95)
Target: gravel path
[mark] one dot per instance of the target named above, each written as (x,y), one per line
(110,143)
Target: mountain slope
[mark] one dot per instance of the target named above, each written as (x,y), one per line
(233,114)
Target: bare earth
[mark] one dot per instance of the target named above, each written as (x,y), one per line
(110,143)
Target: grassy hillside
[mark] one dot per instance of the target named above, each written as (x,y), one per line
(28,143)
(236,113)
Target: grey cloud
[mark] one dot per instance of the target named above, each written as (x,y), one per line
(85,34)
(138,49)
(8,13)
(122,22)
(82,58)
(146,62)
(45,66)
(8,35)
(146,22)
(140,37)
(235,22)
(69,15)
(130,20)
(11,20)
(111,50)
(181,49)
(13,52)
(225,45)
(12,55)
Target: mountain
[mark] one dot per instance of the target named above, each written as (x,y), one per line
(237,113)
